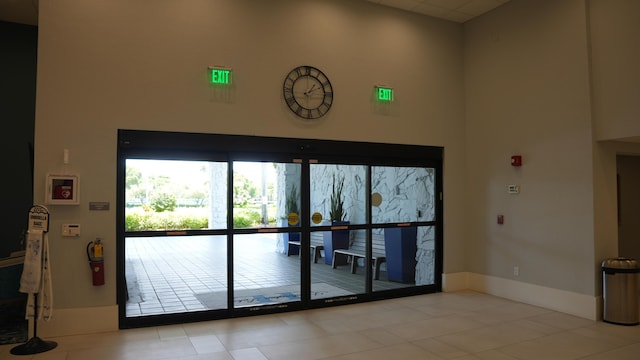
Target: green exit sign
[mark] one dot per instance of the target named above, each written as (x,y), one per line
(220,76)
(384,94)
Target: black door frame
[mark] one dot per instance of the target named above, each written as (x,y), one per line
(216,147)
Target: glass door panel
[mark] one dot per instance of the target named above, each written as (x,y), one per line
(163,195)
(174,274)
(402,194)
(266,261)
(338,193)
(345,273)
(254,197)
(261,275)
(409,256)
(426,256)
(337,199)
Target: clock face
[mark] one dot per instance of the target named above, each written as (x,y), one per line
(308,92)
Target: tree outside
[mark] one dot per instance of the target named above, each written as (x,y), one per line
(174,195)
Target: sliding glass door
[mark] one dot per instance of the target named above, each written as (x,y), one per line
(166,271)
(214,232)
(338,196)
(403,211)
(266,196)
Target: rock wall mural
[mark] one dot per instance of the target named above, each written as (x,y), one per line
(404,194)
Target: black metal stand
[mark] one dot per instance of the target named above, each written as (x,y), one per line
(35,345)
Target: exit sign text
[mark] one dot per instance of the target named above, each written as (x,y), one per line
(385,94)
(221,76)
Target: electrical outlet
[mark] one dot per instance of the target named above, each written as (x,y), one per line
(516,271)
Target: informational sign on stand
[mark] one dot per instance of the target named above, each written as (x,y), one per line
(35,277)
(39,219)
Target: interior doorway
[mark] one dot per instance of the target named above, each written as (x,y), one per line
(628,175)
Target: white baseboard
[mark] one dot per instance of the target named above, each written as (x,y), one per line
(585,306)
(455,281)
(105,318)
(78,321)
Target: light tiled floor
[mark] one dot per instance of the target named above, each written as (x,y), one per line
(463,325)
(165,274)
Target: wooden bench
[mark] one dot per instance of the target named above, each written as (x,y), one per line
(316,248)
(354,255)
(357,251)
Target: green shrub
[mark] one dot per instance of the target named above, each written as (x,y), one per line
(197,223)
(147,220)
(135,221)
(144,219)
(244,218)
(164,202)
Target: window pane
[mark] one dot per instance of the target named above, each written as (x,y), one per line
(337,194)
(175,195)
(266,194)
(402,194)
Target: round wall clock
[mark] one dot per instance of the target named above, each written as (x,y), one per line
(307,92)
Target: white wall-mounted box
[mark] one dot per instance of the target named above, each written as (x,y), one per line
(62,189)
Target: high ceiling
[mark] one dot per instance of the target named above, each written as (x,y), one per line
(452,10)
(26,11)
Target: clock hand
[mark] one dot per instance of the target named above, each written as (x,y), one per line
(310,90)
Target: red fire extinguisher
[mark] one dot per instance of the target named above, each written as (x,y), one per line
(96,261)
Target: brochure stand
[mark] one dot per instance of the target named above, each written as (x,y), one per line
(38,224)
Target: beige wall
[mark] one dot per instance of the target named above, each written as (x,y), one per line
(529,90)
(527,93)
(105,65)
(615,26)
(514,81)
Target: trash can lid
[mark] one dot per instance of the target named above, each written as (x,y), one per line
(620,263)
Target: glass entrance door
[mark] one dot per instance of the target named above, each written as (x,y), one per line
(182,249)
(176,249)
(337,207)
(219,231)
(403,211)
(380,242)
(266,234)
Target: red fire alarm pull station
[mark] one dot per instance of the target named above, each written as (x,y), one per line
(516,160)
(500,219)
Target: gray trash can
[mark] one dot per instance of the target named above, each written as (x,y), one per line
(620,291)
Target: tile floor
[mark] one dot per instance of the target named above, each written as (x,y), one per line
(166,274)
(462,325)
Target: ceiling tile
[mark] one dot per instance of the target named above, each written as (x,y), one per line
(452,10)
(479,7)
(401,4)
(432,10)
(448,4)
